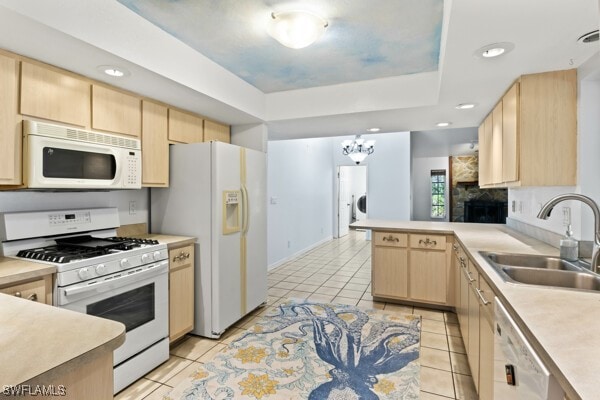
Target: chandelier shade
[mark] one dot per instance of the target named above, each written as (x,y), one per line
(358,149)
(296,29)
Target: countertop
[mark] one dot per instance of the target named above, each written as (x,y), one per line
(561,324)
(37,338)
(13,270)
(171,240)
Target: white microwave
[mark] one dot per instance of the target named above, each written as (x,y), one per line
(60,157)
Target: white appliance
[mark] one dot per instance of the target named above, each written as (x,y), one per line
(217,193)
(122,279)
(60,157)
(519,374)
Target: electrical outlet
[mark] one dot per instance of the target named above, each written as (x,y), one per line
(289,244)
(514,206)
(566,215)
(132,207)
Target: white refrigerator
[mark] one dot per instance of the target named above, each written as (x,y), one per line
(217,193)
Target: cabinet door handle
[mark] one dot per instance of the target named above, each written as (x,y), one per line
(32,297)
(455,247)
(427,242)
(480,294)
(391,238)
(182,256)
(468,276)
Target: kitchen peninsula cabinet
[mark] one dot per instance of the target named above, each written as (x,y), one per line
(185,127)
(535,120)
(10,123)
(37,289)
(412,267)
(53,95)
(216,131)
(116,112)
(181,291)
(155,145)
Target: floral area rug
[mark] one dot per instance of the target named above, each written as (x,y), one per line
(314,351)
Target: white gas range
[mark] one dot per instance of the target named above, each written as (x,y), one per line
(98,273)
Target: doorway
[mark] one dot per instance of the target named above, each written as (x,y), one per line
(352,197)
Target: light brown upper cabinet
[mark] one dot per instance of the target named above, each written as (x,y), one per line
(216,131)
(155,145)
(56,96)
(184,127)
(485,151)
(497,144)
(10,123)
(115,111)
(538,125)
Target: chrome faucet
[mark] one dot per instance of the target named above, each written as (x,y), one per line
(547,208)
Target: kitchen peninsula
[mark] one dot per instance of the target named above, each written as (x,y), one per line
(557,322)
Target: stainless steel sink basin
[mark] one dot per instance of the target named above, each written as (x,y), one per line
(542,270)
(532,261)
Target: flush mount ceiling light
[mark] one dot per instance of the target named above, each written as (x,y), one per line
(494,50)
(296,29)
(111,70)
(443,124)
(358,149)
(589,37)
(374,129)
(465,106)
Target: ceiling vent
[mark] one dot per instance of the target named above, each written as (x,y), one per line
(589,37)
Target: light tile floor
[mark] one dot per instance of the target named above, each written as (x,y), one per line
(338,271)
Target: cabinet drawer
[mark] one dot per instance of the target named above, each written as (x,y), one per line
(390,239)
(429,242)
(486,296)
(180,257)
(35,290)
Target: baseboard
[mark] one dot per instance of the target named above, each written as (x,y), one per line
(299,253)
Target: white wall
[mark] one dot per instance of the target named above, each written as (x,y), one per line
(299,176)
(37,201)
(421,187)
(529,200)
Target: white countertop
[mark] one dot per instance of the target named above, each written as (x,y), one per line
(561,324)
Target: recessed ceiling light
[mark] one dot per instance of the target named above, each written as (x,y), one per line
(443,124)
(374,129)
(589,37)
(465,106)
(111,70)
(494,50)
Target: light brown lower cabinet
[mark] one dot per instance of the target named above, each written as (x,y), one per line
(473,327)
(38,289)
(414,267)
(181,291)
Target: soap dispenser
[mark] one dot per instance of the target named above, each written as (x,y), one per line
(569,247)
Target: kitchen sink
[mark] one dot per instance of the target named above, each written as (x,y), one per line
(542,270)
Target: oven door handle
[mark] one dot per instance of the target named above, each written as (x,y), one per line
(123,280)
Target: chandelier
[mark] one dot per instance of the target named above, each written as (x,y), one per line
(357,149)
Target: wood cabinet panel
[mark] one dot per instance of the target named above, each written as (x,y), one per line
(497,144)
(155,145)
(39,290)
(390,272)
(473,345)
(548,128)
(485,151)
(429,242)
(48,94)
(10,123)
(427,276)
(181,291)
(216,131)
(463,311)
(185,128)
(390,239)
(117,112)
(510,134)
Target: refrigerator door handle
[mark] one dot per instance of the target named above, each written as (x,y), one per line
(245,208)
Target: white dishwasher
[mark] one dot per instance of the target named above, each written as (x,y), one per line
(518,371)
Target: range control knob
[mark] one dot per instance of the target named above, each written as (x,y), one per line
(100,269)
(124,263)
(84,273)
(146,258)
(156,255)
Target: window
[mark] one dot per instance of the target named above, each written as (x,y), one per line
(438,193)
